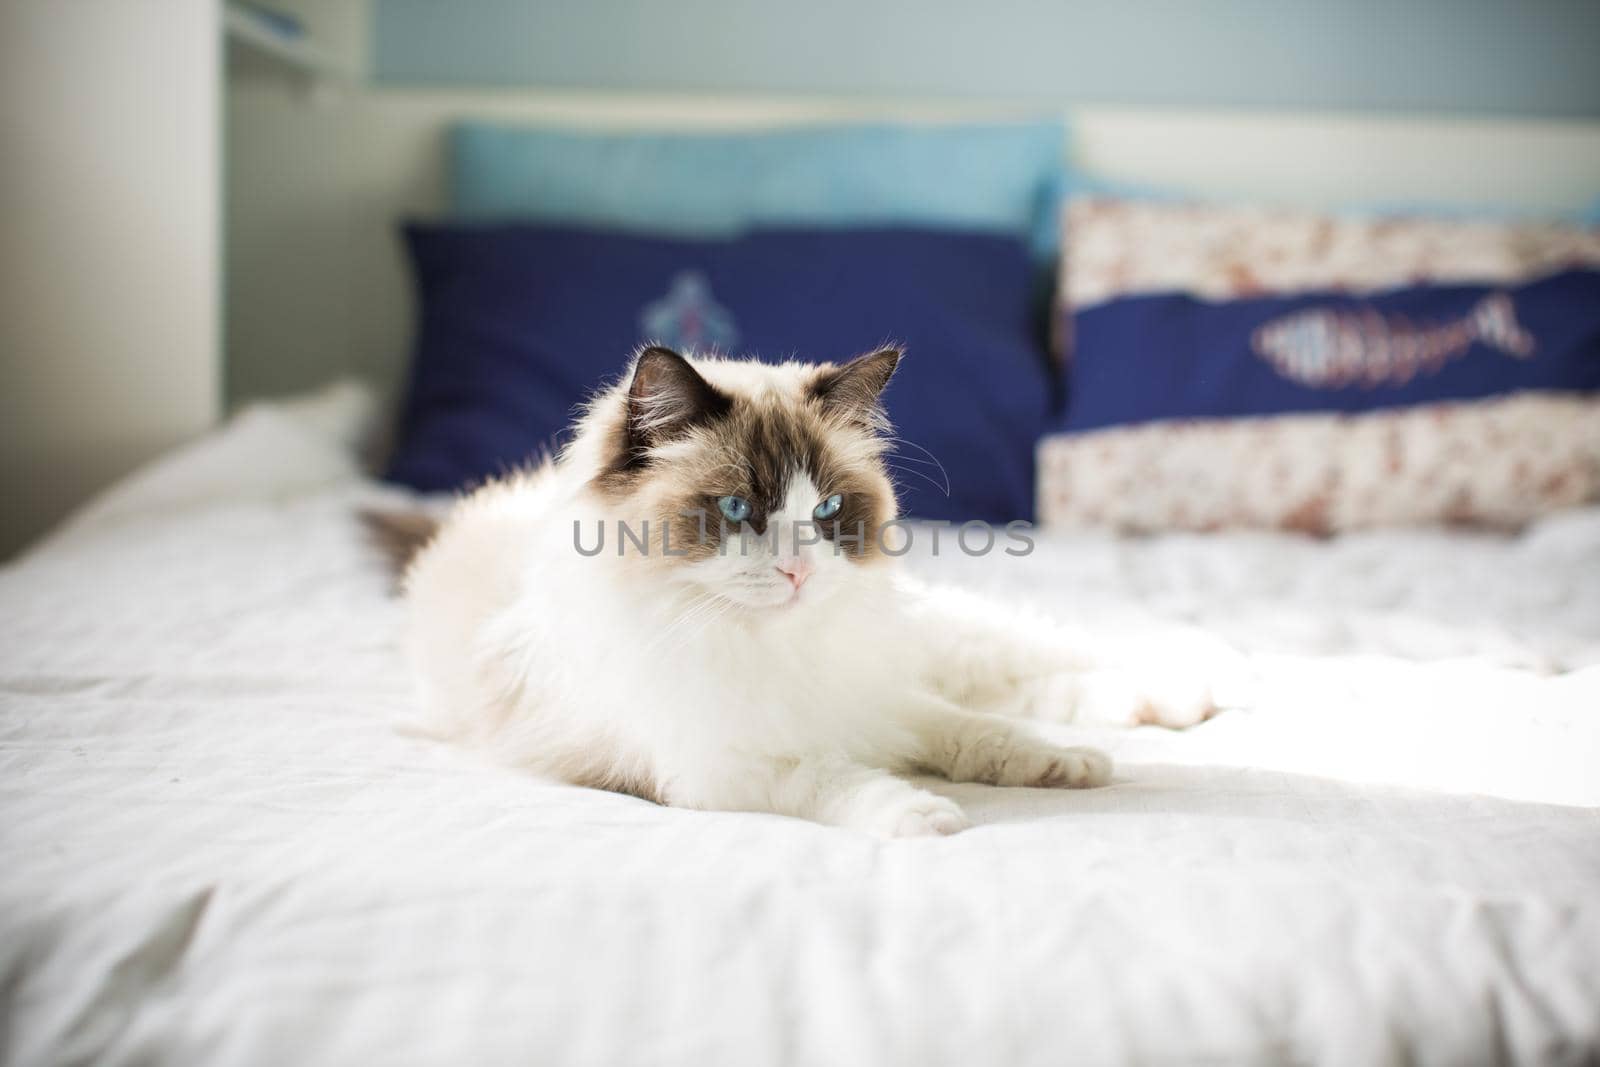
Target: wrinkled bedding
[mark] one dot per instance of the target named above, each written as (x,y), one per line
(216,848)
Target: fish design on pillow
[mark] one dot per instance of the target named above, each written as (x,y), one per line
(1329,349)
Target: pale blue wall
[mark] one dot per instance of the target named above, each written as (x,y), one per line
(1530,57)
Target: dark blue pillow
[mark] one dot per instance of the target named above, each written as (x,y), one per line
(519,323)
(1173,355)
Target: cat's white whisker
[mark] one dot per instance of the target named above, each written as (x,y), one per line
(895,442)
(945,489)
(700,605)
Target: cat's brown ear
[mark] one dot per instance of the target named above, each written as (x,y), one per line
(854,388)
(667,397)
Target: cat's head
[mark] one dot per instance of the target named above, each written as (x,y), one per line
(764,485)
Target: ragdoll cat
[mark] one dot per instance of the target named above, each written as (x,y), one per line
(741,639)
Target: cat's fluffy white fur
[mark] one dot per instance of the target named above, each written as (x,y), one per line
(720,681)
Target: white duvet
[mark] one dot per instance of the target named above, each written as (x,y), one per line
(215,849)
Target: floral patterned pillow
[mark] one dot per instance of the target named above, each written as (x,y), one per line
(1279,368)
(1496,462)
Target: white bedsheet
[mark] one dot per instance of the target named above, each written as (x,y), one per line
(214,849)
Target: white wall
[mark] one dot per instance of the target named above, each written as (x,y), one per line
(109,244)
(289,204)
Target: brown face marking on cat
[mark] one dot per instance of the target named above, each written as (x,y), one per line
(753,446)
(755,452)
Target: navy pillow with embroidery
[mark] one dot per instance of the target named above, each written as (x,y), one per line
(518,324)
(1172,355)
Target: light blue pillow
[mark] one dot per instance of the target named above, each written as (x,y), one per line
(998,178)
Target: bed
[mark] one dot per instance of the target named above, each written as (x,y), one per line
(218,847)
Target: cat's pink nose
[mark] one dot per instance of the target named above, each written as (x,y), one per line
(796,570)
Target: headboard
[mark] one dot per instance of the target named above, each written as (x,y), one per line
(316,286)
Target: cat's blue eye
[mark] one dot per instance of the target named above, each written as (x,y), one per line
(829,507)
(734,508)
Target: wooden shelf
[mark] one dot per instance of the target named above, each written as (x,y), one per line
(254,49)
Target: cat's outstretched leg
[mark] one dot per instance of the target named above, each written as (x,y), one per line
(1157,695)
(968,746)
(987,656)
(832,790)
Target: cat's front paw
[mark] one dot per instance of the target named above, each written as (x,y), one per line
(1049,767)
(919,814)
